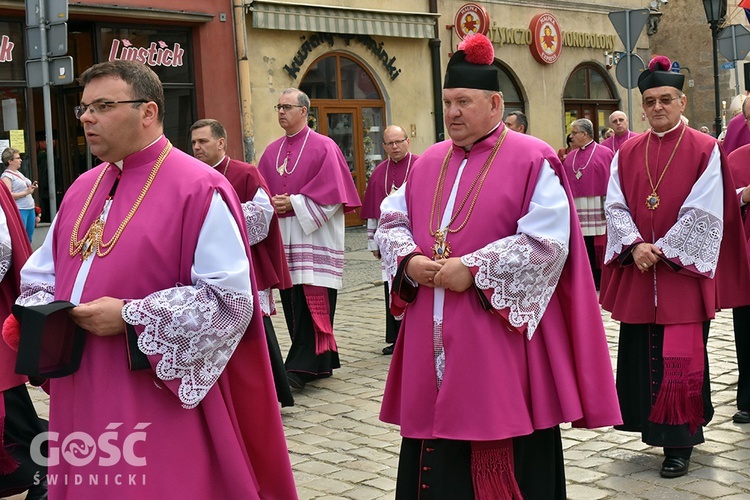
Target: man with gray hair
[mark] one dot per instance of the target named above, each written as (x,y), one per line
(311,190)
(587,170)
(516,120)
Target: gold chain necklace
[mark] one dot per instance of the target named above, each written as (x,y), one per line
(653,200)
(442,249)
(579,172)
(92,240)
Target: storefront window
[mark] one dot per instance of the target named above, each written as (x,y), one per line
(320,81)
(356,83)
(12,55)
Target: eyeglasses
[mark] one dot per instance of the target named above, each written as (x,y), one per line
(286,107)
(394,143)
(577,132)
(101,106)
(663,100)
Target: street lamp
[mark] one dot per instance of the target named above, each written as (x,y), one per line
(716,10)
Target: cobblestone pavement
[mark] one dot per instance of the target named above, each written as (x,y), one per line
(340,450)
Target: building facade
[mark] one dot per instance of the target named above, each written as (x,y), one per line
(192,51)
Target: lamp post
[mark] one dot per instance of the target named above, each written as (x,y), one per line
(715,12)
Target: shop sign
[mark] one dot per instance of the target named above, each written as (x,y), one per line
(6,49)
(471,18)
(501,35)
(546,39)
(318,39)
(157,54)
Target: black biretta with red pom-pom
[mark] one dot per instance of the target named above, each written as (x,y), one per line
(471,66)
(658,74)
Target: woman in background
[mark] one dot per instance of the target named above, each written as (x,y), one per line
(21,188)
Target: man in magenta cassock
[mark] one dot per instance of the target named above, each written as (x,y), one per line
(738,130)
(174,388)
(501,339)
(209,140)
(385,179)
(311,189)
(587,170)
(619,123)
(670,209)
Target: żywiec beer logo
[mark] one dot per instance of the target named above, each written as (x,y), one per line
(546,39)
(471,19)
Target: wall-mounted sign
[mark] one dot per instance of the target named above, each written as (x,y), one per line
(470,19)
(377,48)
(546,38)
(157,53)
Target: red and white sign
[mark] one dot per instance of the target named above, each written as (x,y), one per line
(470,19)
(546,38)
(157,54)
(6,49)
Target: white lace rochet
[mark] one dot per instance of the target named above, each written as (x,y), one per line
(195,329)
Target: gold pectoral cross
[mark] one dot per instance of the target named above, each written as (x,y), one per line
(280,169)
(441,249)
(652,201)
(92,239)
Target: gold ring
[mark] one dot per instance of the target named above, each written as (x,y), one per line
(644,265)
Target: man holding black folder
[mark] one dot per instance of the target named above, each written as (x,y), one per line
(173,395)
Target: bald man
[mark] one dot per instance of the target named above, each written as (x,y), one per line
(619,123)
(385,179)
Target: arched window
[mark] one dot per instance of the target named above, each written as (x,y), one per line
(589,93)
(512,93)
(347,105)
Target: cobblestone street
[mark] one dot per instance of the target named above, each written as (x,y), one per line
(340,450)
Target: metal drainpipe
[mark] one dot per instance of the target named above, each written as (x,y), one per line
(243,75)
(437,85)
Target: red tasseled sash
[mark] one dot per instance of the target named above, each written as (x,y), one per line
(320,309)
(679,400)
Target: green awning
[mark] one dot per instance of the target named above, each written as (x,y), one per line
(316,18)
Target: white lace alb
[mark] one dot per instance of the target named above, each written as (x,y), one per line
(394,239)
(621,230)
(694,240)
(195,329)
(522,273)
(255,222)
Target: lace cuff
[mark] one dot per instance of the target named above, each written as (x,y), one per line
(621,231)
(394,239)
(255,222)
(695,240)
(520,274)
(36,294)
(195,329)
(6,257)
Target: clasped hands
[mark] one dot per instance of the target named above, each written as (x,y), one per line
(450,274)
(282,203)
(646,255)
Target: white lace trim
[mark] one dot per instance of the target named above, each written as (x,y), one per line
(195,329)
(522,272)
(267,304)
(438,350)
(621,230)
(394,239)
(255,222)
(6,258)
(694,240)
(36,293)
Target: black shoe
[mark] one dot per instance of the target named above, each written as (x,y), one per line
(388,349)
(674,467)
(295,381)
(741,417)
